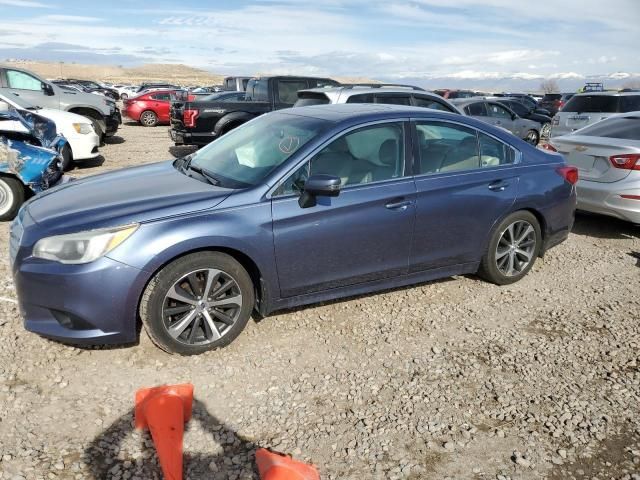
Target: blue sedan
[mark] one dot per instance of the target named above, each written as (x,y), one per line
(294,207)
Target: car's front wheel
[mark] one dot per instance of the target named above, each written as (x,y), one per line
(513,249)
(198,302)
(532,137)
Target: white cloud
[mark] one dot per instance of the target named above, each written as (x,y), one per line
(25,4)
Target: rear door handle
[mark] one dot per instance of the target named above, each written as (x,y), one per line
(399,204)
(498,186)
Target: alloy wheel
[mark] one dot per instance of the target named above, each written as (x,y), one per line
(515,248)
(149,119)
(202,306)
(532,138)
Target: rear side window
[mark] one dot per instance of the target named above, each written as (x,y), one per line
(551,96)
(22,81)
(307,99)
(162,96)
(394,99)
(427,102)
(626,128)
(288,90)
(476,109)
(447,147)
(363,98)
(592,104)
(630,103)
(494,153)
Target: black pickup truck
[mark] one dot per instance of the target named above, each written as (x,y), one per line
(200,122)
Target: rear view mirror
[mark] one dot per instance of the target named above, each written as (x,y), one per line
(47,89)
(319,185)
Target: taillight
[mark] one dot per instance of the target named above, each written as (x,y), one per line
(189,117)
(191,98)
(631,197)
(570,174)
(627,161)
(549,147)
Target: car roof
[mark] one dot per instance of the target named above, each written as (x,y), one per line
(466,101)
(353,111)
(365,89)
(609,94)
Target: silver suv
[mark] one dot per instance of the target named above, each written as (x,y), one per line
(100,110)
(586,108)
(374,93)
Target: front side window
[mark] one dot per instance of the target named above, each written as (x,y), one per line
(288,91)
(247,154)
(22,81)
(366,155)
(494,153)
(447,147)
(476,109)
(162,96)
(519,108)
(497,111)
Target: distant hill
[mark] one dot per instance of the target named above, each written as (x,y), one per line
(172,73)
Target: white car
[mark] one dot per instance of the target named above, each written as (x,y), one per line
(126,91)
(83,142)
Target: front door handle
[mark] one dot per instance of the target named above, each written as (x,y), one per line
(498,186)
(398,204)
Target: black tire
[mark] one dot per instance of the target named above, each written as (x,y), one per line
(193,339)
(148,118)
(11,197)
(490,265)
(67,158)
(532,137)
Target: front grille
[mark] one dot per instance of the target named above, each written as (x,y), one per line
(15,237)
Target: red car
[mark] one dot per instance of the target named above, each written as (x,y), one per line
(150,109)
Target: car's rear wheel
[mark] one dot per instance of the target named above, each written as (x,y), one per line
(532,137)
(148,118)
(199,302)
(11,197)
(513,249)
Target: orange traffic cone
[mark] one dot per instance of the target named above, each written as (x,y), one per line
(277,466)
(164,410)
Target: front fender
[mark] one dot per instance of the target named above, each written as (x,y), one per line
(247,230)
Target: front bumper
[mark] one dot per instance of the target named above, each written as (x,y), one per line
(94,303)
(606,199)
(183,137)
(84,146)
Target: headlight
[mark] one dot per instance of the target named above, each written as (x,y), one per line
(83,128)
(82,247)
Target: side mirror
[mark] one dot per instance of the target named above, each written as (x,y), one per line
(4,106)
(319,185)
(47,89)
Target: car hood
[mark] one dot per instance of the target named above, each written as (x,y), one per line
(138,194)
(62,118)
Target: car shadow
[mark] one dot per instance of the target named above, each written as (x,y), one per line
(131,123)
(89,163)
(107,455)
(114,140)
(600,226)
(182,150)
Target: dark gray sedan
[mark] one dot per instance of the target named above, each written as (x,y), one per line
(493,112)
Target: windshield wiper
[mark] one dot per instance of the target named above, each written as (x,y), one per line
(205,173)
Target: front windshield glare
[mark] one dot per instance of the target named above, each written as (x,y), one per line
(247,154)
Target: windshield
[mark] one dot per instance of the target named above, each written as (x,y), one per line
(246,155)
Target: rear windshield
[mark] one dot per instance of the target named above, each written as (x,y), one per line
(307,99)
(627,128)
(592,104)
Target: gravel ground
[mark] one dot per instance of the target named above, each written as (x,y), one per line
(450,379)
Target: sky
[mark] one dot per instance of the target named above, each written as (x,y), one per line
(465,40)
